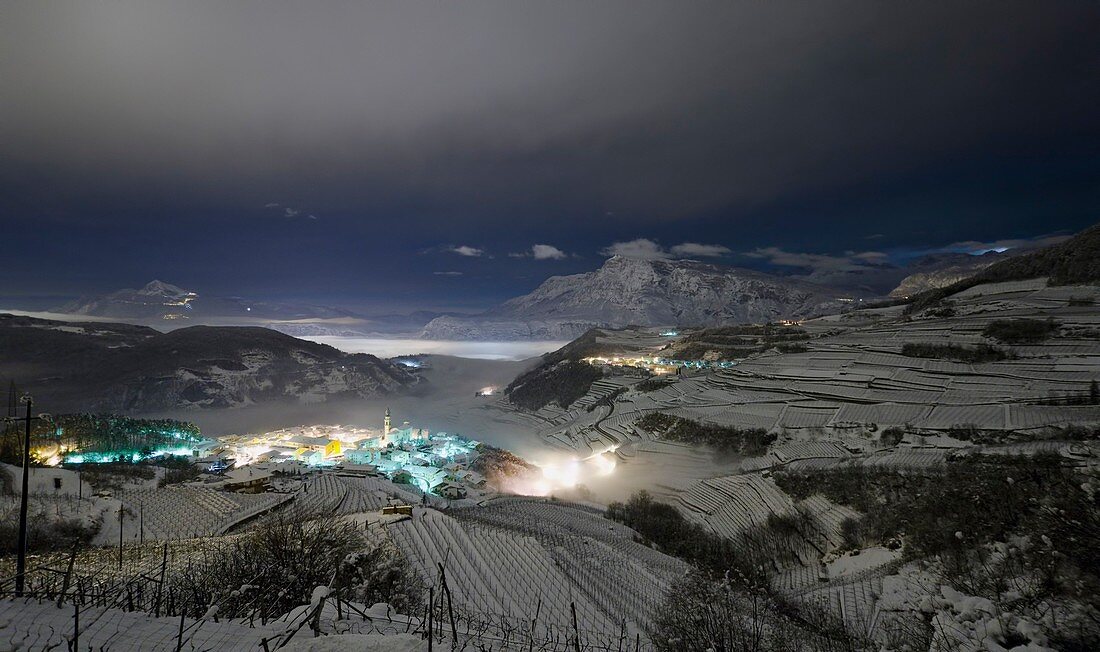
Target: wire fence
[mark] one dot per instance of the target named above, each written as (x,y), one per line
(123,599)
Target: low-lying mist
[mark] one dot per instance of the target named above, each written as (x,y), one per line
(446,400)
(384,347)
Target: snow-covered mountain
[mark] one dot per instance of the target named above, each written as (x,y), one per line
(96,366)
(627,291)
(169,305)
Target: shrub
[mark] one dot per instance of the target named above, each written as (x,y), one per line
(980,353)
(701,613)
(987,498)
(1021,331)
(178,475)
(944,310)
(726,440)
(892,436)
(653,384)
(791,348)
(45,534)
(851,533)
(662,525)
(379,573)
(283,561)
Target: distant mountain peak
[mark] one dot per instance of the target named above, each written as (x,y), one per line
(160,288)
(158,302)
(648,292)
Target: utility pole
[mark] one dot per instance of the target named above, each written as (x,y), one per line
(21,545)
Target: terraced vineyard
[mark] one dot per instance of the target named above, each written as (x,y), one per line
(853,400)
(525,559)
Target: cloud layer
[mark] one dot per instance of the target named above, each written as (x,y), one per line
(422,102)
(646,249)
(850,261)
(466,250)
(149,126)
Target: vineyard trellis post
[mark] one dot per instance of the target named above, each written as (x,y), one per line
(179,637)
(68,577)
(76,625)
(160,584)
(450,610)
(21,544)
(431,611)
(576,632)
(121,517)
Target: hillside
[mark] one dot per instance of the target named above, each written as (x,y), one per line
(86,366)
(628,291)
(1073,262)
(940,270)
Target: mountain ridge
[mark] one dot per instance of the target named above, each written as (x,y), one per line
(137,369)
(1072,262)
(632,291)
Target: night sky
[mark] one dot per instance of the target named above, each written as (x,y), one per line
(401,155)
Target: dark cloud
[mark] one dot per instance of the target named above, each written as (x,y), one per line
(143,123)
(647,249)
(849,261)
(689,249)
(662,108)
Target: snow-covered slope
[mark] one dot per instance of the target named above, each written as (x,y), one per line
(939,271)
(628,291)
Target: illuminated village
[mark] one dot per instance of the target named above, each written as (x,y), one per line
(657,365)
(433,462)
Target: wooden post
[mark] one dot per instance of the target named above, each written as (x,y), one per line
(76,625)
(68,577)
(179,637)
(21,545)
(121,517)
(160,585)
(576,632)
(316,620)
(431,611)
(450,609)
(534,622)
